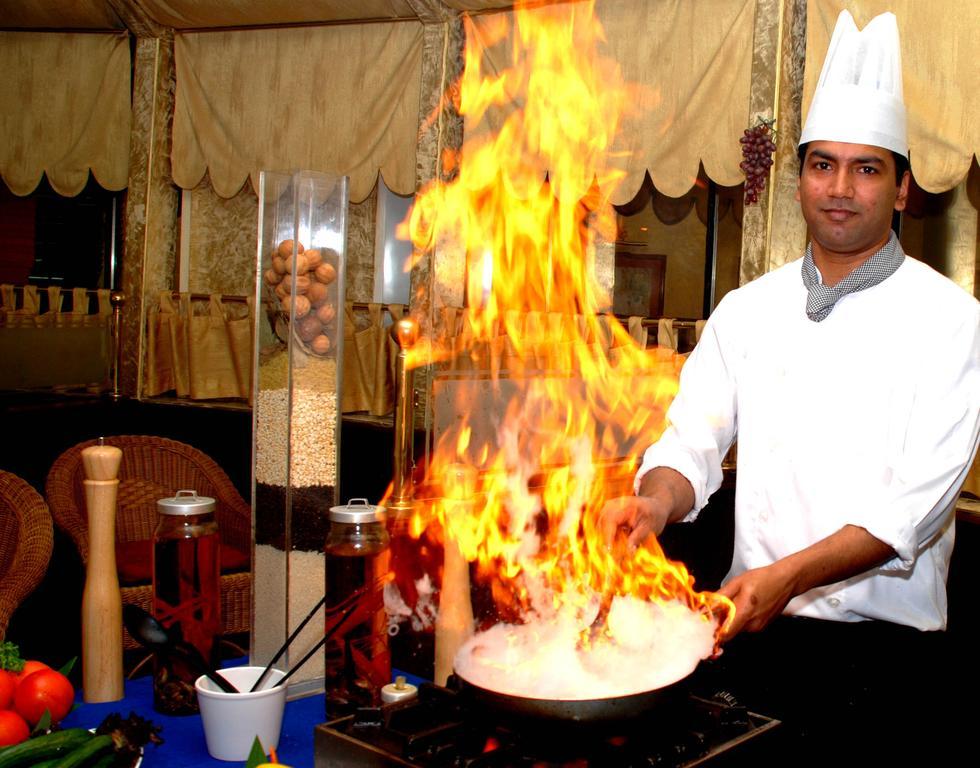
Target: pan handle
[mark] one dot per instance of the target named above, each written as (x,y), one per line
(721,610)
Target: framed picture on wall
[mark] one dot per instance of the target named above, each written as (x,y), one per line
(639,286)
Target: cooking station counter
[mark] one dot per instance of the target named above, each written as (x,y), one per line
(442,728)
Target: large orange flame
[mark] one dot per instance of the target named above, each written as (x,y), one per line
(581,388)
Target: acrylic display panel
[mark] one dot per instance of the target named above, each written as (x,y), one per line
(299,337)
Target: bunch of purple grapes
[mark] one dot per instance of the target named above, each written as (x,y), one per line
(757,149)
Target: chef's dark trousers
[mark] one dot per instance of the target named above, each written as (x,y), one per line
(850,693)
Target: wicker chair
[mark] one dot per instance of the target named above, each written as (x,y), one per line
(25,543)
(153,468)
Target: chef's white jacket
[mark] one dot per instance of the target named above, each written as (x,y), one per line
(869,418)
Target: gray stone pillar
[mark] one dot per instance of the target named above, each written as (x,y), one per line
(151,202)
(960,239)
(439,274)
(773,230)
(150,244)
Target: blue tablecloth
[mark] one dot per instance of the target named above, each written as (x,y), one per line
(183,737)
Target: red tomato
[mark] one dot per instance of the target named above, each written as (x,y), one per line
(8,684)
(46,689)
(29,668)
(13,729)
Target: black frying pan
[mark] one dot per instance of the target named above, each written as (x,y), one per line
(615,709)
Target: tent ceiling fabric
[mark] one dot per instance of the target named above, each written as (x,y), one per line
(939,62)
(191,14)
(58,14)
(691,102)
(475,6)
(341,100)
(195,14)
(81,123)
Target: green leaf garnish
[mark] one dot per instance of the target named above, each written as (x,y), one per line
(44,724)
(66,670)
(257,755)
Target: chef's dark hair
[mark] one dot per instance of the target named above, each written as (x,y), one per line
(901,163)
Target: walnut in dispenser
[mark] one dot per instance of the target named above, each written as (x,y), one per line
(301,283)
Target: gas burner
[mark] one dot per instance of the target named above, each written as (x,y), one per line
(440,730)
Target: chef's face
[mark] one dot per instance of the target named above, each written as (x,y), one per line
(847,193)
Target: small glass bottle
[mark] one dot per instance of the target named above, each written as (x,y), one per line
(186,593)
(357,663)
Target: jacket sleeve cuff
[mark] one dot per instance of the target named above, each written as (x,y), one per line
(682,462)
(901,538)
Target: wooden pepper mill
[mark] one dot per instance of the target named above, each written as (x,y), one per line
(102,659)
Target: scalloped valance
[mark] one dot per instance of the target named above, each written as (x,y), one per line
(939,64)
(689,63)
(64,110)
(341,100)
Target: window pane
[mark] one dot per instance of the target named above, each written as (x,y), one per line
(47,239)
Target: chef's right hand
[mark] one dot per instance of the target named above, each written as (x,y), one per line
(639,516)
(665,496)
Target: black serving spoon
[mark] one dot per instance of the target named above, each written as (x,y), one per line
(335,618)
(151,634)
(285,645)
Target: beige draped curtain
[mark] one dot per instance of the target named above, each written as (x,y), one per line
(940,72)
(673,334)
(692,62)
(369,360)
(27,306)
(342,100)
(45,344)
(64,110)
(200,350)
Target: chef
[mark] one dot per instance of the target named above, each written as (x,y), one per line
(851,378)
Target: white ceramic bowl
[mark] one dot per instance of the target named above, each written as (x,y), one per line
(233,720)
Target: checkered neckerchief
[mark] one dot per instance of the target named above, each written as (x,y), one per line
(821,298)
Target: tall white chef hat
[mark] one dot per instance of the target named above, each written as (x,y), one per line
(859,95)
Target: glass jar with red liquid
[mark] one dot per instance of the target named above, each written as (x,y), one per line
(357,661)
(186,595)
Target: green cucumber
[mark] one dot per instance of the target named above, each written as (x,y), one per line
(86,752)
(40,748)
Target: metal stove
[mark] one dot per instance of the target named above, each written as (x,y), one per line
(440,729)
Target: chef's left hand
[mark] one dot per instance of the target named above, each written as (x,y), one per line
(759,596)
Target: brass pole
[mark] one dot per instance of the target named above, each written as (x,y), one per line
(405,333)
(117,299)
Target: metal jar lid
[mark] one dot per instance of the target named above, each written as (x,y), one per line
(186,502)
(357,511)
